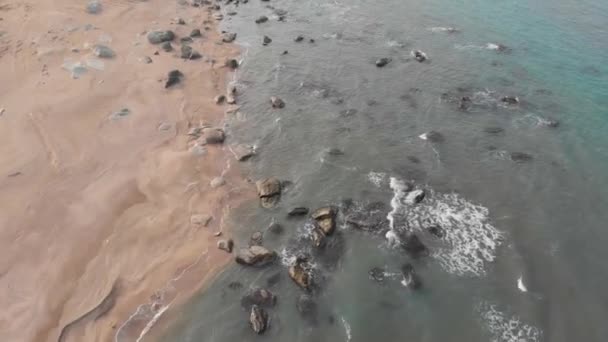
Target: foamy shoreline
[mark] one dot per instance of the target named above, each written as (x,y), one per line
(97,224)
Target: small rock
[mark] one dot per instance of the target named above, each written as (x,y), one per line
(261,19)
(317,237)
(146,60)
(181,21)
(414,197)
(189,53)
(174,77)
(225,245)
(259,297)
(232,63)
(419,56)
(157,37)
(267,40)
(186,40)
(228,37)
(299,39)
(218,16)
(211,135)
(382,62)
(94,7)
(521,157)
(257,239)
(335,152)
(311,40)
(103,51)
(298,211)
(512,100)
(120,113)
(201,220)
(277,102)
(258,319)
(243,152)
(235,285)
(255,256)
(167,47)
(216,234)
(275,228)
(196,33)
(219,99)
(550,123)
(217,182)
(285,52)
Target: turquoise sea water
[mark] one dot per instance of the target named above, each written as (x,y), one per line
(524,254)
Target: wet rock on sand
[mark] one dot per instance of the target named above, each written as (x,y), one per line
(166,46)
(225,245)
(269,191)
(257,239)
(103,51)
(325,219)
(277,102)
(219,99)
(232,63)
(196,33)
(255,256)
(157,37)
(174,77)
(228,37)
(259,297)
(258,319)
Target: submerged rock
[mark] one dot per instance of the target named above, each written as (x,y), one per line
(232,63)
(493,130)
(298,39)
(258,319)
(521,157)
(261,19)
(307,308)
(157,37)
(277,102)
(413,246)
(325,219)
(298,211)
(381,62)
(235,285)
(257,239)
(419,56)
(437,231)
(377,274)
(228,37)
(260,297)
(269,191)
(273,279)
(174,77)
(275,228)
(255,256)
(225,245)
(266,40)
(410,278)
(512,100)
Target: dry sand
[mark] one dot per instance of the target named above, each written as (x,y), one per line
(93,208)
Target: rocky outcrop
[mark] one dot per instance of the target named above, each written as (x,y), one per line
(269,191)
(255,256)
(258,319)
(325,219)
(260,297)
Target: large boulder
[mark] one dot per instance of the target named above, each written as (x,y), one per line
(258,319)
(259,297)
(300,275)
(269,191)
(325,219)
(255,256)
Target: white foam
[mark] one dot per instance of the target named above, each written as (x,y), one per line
(347,328)
(520,285)
(443,29)
(376,178)
(492,46)
(507,329)
(399,191)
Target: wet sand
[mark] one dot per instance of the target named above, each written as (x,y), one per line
(96,237)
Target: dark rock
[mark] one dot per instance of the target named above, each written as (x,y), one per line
(257,239)
(436,231)
(258,319)
(260,297)
(166,46)
(419,56)
(382,62)
(335,152)
(261,19)
(157,37)
(266,40)
(181,21)
(325,219)
(174,77)
(410,278)
(189,53)
(146,60)
(232,63)
(300,274)
(196,33)
(255,256)
(219,99)
(285,52)
(521,157)
(413,159)
(210,135)
(275,228)
(307,308)
(377,274)
(512,100)
(414,196)
(225,245)
(465,103)
(298,211)
(273,279)
(299,39)
(311,40)
(235,285)
(277,102)
(493,130)
(228,37)
(433,136)
(413,246)
(269,191)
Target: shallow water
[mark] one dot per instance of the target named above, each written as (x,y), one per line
(522,256)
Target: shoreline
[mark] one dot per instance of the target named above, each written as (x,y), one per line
(101,207)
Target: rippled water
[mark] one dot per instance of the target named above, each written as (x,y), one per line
(522,256)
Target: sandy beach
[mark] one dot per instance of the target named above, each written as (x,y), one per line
(107,209)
